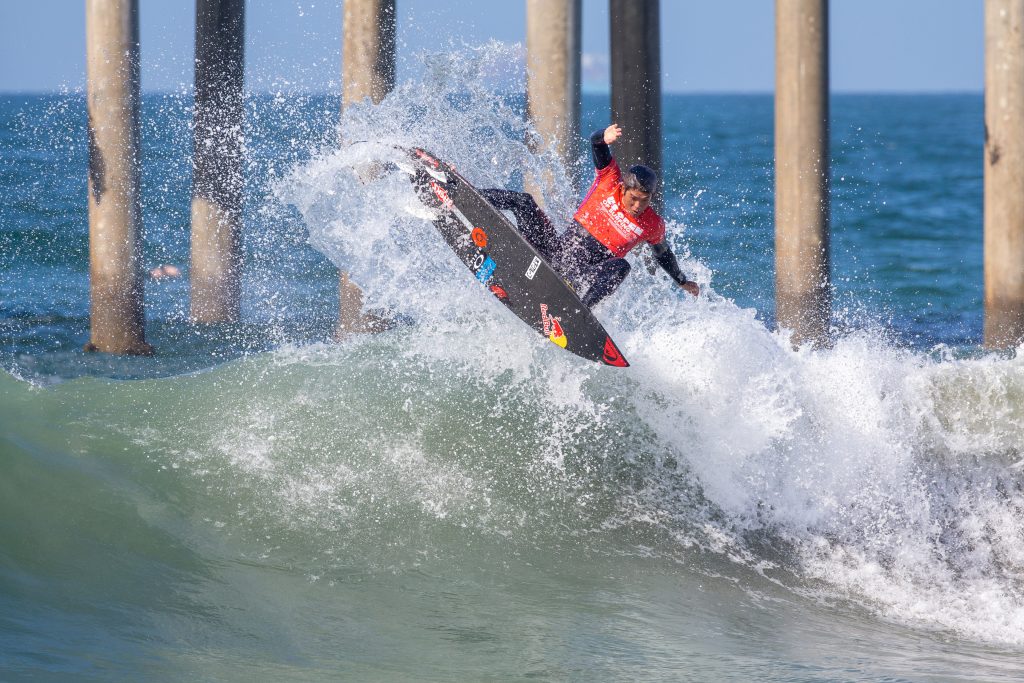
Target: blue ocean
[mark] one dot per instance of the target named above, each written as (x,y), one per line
(457,499)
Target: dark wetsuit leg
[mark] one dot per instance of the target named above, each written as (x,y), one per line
(607,279)
(530,220)
(587,264)
(577,255)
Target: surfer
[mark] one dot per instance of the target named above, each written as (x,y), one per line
(612,220)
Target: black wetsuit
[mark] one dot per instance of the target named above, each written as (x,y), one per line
(576,254)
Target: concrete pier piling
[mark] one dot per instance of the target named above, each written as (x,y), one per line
(636,82)
(368,50)
(1004,173)
(116,316)
(368,71)
(553,40)
(217,149)
(803,298)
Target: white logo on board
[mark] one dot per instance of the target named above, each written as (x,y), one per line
(532,270)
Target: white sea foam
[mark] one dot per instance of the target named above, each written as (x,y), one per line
(890,477)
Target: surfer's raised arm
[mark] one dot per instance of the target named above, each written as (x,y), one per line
(599,142)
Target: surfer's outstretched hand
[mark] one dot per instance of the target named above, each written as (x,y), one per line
(691,287)
(612,133)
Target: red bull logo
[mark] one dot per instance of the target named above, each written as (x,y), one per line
(552,327)
(557,335)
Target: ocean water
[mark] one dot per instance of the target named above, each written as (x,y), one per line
(457,499)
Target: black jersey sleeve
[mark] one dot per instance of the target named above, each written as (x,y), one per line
(600,149)
(667,260)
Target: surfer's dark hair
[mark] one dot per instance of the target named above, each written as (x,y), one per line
(640,178)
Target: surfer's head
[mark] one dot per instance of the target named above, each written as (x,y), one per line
(640,178)
(639,183)
(638,186)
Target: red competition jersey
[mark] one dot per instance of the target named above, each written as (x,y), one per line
(603,215)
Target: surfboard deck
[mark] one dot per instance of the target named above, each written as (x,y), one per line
(506,264)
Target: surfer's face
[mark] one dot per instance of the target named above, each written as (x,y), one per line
(635,201)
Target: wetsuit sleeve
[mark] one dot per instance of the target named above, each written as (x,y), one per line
(600,149)
(667,260)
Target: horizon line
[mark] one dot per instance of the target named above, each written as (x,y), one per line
(584,92)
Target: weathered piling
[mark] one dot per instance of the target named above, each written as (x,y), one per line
(217,149)
(636,82)
(553,30)
(803,298)
(368,50)
(1004,173)
(116,317)
(368,71)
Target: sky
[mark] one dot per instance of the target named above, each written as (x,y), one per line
(706,45)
